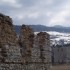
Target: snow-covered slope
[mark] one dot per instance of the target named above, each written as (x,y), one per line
(58,38)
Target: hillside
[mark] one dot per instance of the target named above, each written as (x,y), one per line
(39,28)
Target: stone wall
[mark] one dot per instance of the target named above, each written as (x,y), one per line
(26,40)
(7,34)
(26,52)
(61,54)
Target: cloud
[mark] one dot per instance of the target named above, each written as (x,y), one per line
(11,3)
(45,12)
(60,17)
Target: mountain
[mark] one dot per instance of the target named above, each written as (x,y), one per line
(58,26)
(39,28)
(17,28)
(36,28)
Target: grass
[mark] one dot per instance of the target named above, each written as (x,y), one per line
(60,67)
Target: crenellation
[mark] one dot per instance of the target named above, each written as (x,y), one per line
(26,52)
(26,38)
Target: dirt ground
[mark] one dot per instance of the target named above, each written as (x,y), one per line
(60,67)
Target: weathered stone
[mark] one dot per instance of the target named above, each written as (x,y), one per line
(9,49)
(41,52)
(26,42)
(7,34)
(27,52)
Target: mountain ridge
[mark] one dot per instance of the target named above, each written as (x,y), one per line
(39,28)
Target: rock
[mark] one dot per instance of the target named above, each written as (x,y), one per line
(26,40)
(8,40)
(7,34)
(41,47)
(26,52)
(44,45)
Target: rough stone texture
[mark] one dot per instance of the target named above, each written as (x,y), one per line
(7,34)
(41,52)
(28,52)
(26,42)
(9,49)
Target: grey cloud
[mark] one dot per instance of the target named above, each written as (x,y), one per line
(36,11)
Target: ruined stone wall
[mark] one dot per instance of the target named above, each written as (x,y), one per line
(41,51)
(26,40)
(7,34)
(9,48)
(28,52)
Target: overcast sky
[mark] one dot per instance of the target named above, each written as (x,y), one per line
(45,12)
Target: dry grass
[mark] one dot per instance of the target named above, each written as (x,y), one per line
(60,67)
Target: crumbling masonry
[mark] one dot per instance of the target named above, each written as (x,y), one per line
(28,52)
